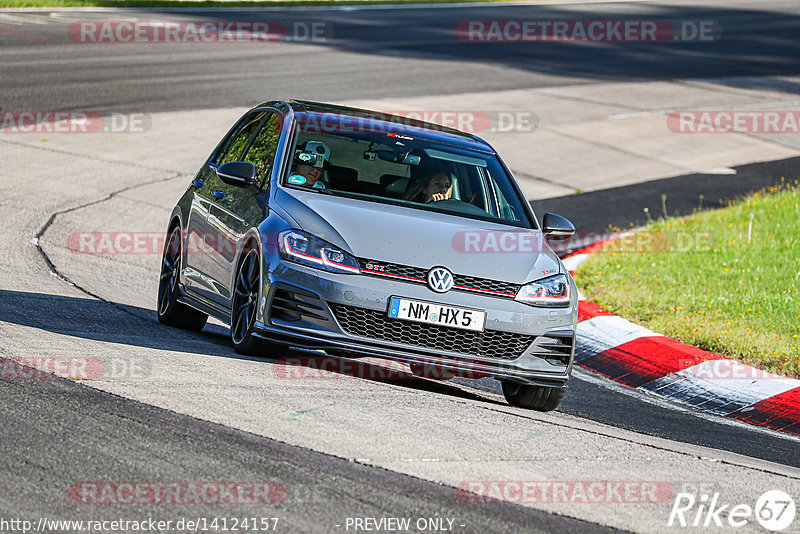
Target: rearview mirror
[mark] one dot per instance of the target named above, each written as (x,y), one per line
(556,226)
(238,173)
(398,157)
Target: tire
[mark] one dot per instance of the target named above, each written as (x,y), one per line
(434,372)
(170,311)
(541,398)
(244,306)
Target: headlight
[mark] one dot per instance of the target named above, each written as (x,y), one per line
(551,292)
(307,250)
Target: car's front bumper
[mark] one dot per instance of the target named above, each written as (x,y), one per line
(305,307)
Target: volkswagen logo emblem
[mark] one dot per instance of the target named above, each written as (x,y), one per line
(440,280)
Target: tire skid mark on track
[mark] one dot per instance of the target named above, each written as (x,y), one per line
(54,270)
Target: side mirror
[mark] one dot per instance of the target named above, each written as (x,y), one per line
(556,226)
(238,173)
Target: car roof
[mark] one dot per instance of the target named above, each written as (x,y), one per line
(395,123)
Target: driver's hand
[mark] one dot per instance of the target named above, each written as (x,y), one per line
(436,197)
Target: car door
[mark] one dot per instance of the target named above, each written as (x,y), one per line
(202,237)
(237,209)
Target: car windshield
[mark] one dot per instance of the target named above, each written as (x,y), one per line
(392,165)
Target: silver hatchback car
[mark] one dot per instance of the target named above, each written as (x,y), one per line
(363,234)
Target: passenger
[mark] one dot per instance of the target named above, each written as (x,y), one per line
(311,161)
(436,187)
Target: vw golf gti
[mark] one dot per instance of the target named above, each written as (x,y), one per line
(364,234)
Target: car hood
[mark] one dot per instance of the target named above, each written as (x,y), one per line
(419,238)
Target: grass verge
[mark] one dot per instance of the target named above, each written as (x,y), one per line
(700,281)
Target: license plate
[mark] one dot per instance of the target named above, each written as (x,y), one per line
(438,314)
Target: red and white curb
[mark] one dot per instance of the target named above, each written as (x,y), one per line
(640,358)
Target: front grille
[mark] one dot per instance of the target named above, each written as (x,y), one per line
(418,275)
(483,284)
(382,267)
(376,325)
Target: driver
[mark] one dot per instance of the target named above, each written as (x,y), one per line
(436,187)
(311,161)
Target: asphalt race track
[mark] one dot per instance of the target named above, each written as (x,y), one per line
(186,408)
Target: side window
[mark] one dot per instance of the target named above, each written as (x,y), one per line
(233,150)
(506,210)
(262,151)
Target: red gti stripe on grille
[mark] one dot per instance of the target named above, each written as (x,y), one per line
(394,276)
(423,281)
(485,291)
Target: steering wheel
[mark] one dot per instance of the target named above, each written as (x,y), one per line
(455,205)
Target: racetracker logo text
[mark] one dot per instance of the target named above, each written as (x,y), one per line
(615,31)
(469,121)
(196,32)
(723,369)
(564,491)
(51,367)
(330,368)
(220,492)
(71,122)
(735,121)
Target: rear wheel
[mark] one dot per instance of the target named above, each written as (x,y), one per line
(170,311)
(244,307)
(540,398)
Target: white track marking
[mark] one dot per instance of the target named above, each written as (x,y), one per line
(707,387)
(604,332)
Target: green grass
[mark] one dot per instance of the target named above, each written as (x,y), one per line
(698,280)
(212,3)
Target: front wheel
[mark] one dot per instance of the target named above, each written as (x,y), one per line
(244,307)
(541,398)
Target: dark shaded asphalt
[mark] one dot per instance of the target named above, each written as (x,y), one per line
(599,403)
(622,207)
(376,53)
(58,433)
